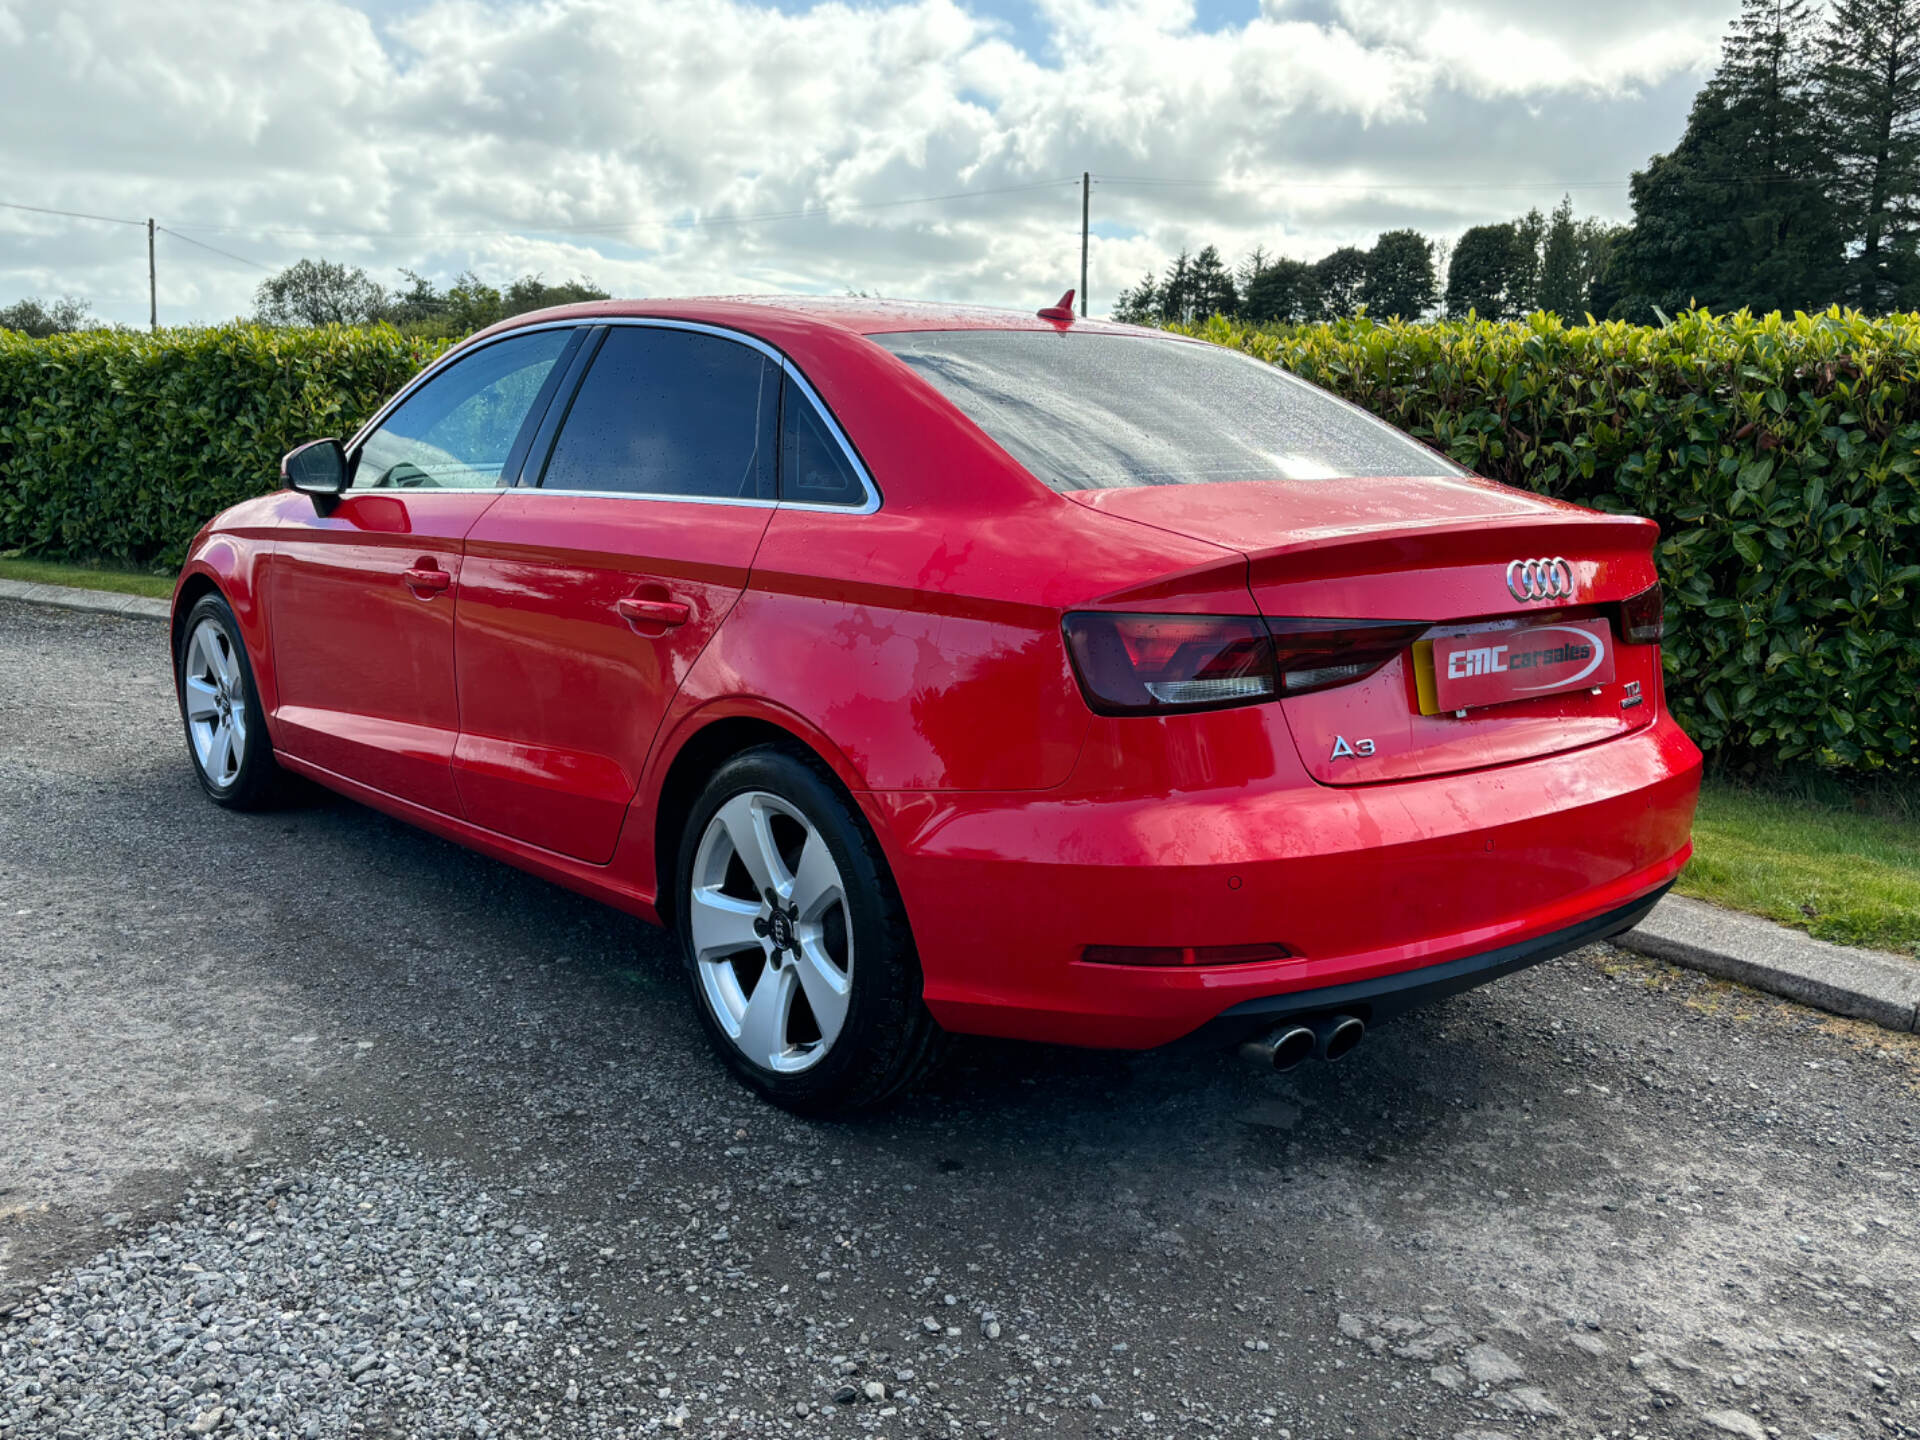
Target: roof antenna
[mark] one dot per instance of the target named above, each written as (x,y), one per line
(1062,312)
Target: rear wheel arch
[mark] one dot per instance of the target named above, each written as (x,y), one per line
(702,754)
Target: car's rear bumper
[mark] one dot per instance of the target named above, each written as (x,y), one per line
(1380,892)
(1385,996)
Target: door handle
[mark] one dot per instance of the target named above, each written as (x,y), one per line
(664,613)
(422,577)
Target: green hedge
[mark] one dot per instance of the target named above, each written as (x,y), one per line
(1779,455)
(118,445)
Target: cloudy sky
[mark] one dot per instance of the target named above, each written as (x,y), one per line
(694,146)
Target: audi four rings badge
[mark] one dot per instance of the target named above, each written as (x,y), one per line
(1550,579)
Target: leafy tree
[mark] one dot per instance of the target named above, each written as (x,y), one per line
(320,292)
(1282,290)
(1342,278)
(1738,213)
(1399,282)
(37,319)
(1484,270)
(472,304)
(1869,76)
(418,305)
(530,292)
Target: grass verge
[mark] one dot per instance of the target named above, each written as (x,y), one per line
(1810,860)
(86,577)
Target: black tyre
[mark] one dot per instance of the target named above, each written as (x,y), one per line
(220,709)
(796,945)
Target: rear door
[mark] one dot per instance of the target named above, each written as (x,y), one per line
(590,589)
(362,596)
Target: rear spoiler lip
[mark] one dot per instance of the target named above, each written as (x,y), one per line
(1454,543)
(1438,547)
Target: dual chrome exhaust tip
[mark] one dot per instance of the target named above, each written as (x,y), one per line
(1297,1041)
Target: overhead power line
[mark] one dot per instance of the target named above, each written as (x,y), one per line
(673,222)
(664,222)
(214,248)
(1269,187)
(1085,182)
(153,284)
(70,214)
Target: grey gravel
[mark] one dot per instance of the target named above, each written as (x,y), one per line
(250,1308)
(1659,1197)
(1735,1422)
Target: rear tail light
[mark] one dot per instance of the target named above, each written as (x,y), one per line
(1156,664)
(1320,654)
(1643,617)
(1178,955)
(1169,664)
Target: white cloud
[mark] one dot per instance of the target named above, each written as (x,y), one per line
(511,136)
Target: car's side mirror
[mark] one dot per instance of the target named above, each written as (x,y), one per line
(319,469)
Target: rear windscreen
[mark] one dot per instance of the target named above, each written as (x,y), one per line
(1101,412)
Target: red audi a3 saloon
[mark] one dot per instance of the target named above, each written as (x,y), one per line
(937,670)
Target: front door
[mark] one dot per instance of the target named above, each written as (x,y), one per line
(588,592)
(362,596)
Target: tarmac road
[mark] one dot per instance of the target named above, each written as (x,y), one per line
(313,1125)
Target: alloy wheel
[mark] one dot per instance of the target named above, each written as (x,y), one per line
(216,704)
(772,937)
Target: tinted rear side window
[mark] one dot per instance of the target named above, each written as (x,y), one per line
(814,468)
(670,412)
(1097,412)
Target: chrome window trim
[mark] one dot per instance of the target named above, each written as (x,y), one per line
(787,368)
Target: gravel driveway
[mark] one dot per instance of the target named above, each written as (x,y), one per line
(311,1125)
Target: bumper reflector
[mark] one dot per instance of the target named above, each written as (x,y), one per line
(1183,954)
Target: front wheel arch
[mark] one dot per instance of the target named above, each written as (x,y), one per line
(189,594)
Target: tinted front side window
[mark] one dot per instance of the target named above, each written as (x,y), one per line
(1094,412)
(670,412)
(456,431)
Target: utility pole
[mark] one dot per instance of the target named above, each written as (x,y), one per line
(153,292)
(1086,194)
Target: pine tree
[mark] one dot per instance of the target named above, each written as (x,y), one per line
(1177,290)
(1212,282)
(1599,287)
(1870,88)
(1250,268)
(1562,285)
(1141,304)
(1738,213)
(1529,241)
(1399,281)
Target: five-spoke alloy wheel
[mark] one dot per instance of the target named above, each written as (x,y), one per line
(768,911)
(796,943)
(216,703)
(226,730)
